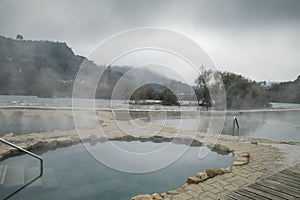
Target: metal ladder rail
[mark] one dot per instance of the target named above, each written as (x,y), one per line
(235,122)
(31,154)
(25,151)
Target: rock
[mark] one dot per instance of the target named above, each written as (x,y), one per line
(203,176)
(157,139)
(13,151)
(227,169)
(193,180)
(64,142)
(222,148)
(184,186)
(210,173)
(35,144)
(9,135)
(75,139)
(218,171)
(103,124)
(172,192)
(244,154)
(196,143)
(50,144)
(239,163)
(180,190)
(127,138)
(156,196)
(5,153)
(243,159)
(142,197)
(287,142)
(163,195)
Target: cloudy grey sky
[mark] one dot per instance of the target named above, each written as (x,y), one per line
(256,38)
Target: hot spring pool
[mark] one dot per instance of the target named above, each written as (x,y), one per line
(72,173)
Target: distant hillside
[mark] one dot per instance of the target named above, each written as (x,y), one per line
(288,92)
(39,68)
(48,69)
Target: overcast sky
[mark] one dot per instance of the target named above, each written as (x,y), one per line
(256,38)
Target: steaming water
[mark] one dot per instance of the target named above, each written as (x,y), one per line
(282,126)
(79,176)
(271,125)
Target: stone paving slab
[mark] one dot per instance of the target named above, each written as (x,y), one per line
(282,185)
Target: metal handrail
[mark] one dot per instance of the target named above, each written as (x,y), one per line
(31,154)
(235,122)
(25,151)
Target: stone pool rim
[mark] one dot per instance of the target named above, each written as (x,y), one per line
(41,146)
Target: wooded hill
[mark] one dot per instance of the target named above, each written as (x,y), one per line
(288,92)
(49,69)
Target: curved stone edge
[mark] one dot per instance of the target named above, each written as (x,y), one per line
(39,145)
(261,151)
(242,159)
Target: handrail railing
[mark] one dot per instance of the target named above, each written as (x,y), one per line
(235,122)
(25,151)
(31,154)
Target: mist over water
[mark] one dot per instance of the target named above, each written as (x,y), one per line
(20,121)
(281,125)
(277,125)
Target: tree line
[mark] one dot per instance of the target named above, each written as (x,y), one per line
(288,92)
(240,92)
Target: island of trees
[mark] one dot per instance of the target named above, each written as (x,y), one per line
(240,91)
